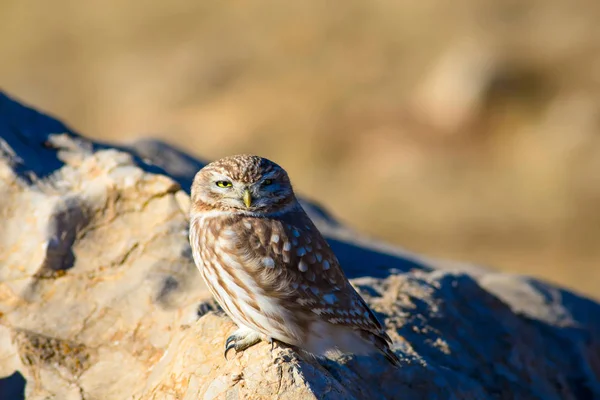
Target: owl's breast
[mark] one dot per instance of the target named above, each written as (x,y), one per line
(202,240)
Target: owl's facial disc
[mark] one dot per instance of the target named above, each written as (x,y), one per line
(244,183)
(256,196)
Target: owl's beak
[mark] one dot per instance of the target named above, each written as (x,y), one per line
(247,198)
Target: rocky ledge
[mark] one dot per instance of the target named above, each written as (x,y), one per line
(99,297)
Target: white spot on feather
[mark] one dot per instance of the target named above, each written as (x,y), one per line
(287,246)
(302,266)
(325,265)
(275,238)
(301,251)
(268,262)
(229,233)
(247,225)
(226,243)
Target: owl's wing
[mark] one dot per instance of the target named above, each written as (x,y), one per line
(296,264)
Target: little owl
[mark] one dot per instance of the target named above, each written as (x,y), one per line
(268,266)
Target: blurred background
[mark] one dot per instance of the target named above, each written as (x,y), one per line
(465,129)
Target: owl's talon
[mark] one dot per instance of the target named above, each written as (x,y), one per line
(230,344)
(272,342)
(240,340)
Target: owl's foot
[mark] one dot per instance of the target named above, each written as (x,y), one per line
(241,339)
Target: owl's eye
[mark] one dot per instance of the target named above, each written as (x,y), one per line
(224,184)
(267,182)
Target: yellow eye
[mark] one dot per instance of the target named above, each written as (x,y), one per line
(267,182)
(224,184)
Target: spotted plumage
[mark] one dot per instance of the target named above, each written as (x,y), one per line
(268,266)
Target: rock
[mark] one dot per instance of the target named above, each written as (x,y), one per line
(95,274)
(99,297)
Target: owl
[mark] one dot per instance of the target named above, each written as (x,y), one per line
(269,267)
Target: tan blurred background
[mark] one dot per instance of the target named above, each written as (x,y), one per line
(465,129)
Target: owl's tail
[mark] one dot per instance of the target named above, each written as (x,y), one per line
(382,343)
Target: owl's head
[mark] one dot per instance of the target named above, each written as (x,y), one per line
(242,182)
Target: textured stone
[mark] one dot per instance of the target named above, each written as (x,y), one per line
(99,297)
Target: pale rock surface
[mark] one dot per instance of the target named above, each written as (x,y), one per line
(99,297)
